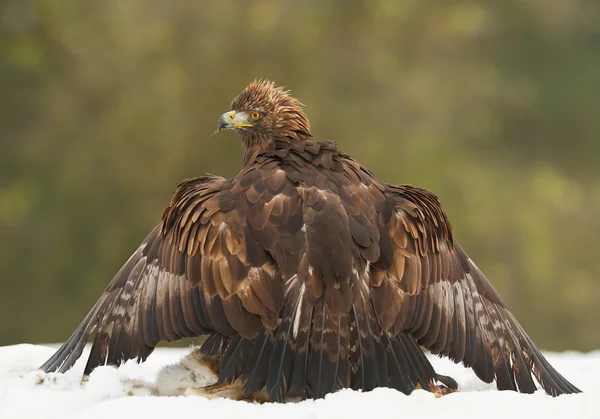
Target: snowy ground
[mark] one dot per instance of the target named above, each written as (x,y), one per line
(26,393)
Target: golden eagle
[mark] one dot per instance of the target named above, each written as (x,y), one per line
(307,274)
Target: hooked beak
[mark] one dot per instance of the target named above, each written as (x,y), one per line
(233,119)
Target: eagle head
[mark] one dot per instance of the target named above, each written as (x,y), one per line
(264,111)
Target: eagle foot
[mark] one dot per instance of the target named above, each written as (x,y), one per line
(447,381)
(448,385)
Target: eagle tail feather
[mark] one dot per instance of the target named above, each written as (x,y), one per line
(214,345)
(303,331)
(234,359)
(421,370)
(281,364)
(398,369)
(365,365)
(255,370)
(343,370)
(325,354)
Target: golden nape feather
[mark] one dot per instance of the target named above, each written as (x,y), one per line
(308,275)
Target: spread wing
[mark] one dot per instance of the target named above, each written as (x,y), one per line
(209,266)
(434,291)
(309,290)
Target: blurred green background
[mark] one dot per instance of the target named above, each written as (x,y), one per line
(495,106)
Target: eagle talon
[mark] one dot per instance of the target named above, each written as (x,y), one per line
(447,381)
(442,390)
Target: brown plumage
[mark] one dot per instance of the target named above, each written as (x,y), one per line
(309,275)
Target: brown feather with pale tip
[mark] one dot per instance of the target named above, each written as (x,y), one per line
(310,275)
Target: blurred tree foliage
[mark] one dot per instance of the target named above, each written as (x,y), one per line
(105,106)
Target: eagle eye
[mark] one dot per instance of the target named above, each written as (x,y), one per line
(254,115)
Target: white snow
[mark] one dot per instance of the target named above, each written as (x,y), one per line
(27,393)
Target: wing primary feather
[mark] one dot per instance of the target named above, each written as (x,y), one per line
(520,368)
(120,343)
(502,371)
(549,378)
(459,334)
(66,356)
(71,350)
(108,333)
(472,342)
(98,353)
(444,343)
